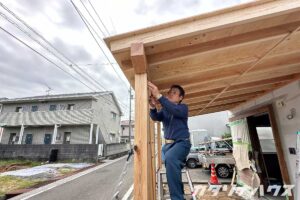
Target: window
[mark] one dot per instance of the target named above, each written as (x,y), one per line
(58,136)
(34,108)
(112,137)
(71,106)
(113,115)
(47,138)
(52,107)
(12,138)
(67,138)
(28,139)
(266,139)
(19,109)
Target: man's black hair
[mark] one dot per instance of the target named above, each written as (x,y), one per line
(181,90)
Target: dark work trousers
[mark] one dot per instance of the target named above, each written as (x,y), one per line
(174,156)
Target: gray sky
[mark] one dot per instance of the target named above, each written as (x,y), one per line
(24,73)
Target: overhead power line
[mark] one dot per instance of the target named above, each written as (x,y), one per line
(98,17)
(60,54)
(40,54)
(71,64)
(50,51)
(92,18)
(89,27)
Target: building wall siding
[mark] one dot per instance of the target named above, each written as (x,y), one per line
(103,108)
(79,134)
(61,105)
(47,117)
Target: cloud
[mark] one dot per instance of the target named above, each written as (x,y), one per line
(74,52)
(69,16)
(23,70)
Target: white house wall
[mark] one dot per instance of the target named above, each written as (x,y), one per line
(79,134)
(103,117)
(61,105)
(290,96)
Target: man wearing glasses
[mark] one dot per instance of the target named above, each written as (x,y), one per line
(174,116)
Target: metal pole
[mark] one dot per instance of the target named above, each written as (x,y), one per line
(130,117)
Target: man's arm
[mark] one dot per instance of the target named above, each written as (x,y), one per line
(156,116)
(178,110)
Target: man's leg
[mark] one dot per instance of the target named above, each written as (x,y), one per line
(174,158)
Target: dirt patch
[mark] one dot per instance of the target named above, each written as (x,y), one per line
(12,167)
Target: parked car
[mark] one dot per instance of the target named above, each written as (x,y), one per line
(193,160)
(224,164)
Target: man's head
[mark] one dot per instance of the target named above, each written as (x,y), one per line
(176,94)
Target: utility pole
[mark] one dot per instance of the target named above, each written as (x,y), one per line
(130,97)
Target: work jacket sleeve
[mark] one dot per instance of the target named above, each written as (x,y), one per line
(177,110)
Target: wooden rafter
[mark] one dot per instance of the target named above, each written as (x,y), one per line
(287,37)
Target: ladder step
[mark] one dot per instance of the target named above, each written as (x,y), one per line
(163,196)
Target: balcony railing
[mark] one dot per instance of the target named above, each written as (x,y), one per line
(67,117)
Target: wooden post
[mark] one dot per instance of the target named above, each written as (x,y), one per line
(153,157)
(159,145)
(142,155)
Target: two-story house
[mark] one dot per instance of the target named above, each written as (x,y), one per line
(125,129)
(70,119)
(83,118)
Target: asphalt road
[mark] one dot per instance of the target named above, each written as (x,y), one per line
(97,185)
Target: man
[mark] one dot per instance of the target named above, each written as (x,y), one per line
(174,116)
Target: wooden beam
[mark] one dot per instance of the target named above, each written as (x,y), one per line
(230,17)
(228,74)
(295,78)
(223,33)
(252,90)
(138,58)
(202,93)
(244,86)
(223,43)
(280,42)
(211,110)
(199,99)
(220,106)
(261,83)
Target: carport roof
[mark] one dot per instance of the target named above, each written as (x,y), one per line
(222,58)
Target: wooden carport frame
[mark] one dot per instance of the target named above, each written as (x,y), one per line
(222,59)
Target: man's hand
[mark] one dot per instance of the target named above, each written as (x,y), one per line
(152,102)
(154,90)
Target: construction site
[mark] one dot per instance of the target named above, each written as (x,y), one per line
(242,60)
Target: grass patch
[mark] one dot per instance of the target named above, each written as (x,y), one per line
(28,163)
(65,171)
(10,183)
